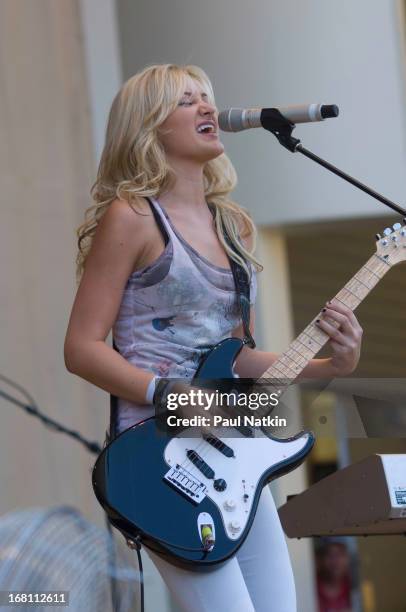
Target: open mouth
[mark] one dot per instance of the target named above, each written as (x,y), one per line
(206,128)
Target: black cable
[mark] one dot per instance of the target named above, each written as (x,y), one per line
(93,447)
(137,542)
(32,408)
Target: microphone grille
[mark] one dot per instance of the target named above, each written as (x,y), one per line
(329,110)
(230,120)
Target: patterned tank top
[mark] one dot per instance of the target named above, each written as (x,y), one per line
(172,313)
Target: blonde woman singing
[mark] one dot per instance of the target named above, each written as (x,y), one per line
(157,273)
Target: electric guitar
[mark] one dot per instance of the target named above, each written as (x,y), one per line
(193,499)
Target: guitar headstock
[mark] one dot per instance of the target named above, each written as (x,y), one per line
(392,244)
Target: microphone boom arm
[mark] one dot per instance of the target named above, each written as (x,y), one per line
(273,121)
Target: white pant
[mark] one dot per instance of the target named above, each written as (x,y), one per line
(258,578)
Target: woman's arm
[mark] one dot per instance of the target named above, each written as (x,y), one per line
(251,363)
(344,342)
(117,245)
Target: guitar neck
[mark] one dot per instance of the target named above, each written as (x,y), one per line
(292,362)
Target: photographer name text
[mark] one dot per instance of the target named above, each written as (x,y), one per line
(244,420)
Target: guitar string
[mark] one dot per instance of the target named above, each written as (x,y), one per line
(204,448)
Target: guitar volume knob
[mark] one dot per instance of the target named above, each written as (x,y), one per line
(220,484)
(229,505)
(235,526)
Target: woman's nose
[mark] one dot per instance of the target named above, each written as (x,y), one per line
(207,108)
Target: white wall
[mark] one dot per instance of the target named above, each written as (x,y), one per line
(103,62)
(271,53)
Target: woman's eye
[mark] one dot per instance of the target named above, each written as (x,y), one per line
(185,103)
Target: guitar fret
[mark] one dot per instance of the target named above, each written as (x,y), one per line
(372,272)
(309,339)
(269,375)
(360,280)
(301,361)
(302,358)
(375,266)
(286,362)
(307,345)
(372,280)
(381,259)
(361,289)
(338,300)
(365,284)
(347,288)
(344,299)
(284,359)
(317,334)
(287,376)
(275,367)
(351,300)
(303,350)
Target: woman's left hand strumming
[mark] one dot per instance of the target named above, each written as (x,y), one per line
(345,338)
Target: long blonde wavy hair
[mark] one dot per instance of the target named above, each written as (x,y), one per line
(133,162)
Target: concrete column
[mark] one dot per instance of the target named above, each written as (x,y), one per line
(104,78)
(275,329)
(46,169)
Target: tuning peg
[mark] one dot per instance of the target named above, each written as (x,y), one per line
(387,231)
(397,226)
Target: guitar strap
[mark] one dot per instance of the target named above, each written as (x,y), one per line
(242,287)
(241,281)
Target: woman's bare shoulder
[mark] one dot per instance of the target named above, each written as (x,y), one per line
(246,234)
(124,220)
(121,235)
(129,212)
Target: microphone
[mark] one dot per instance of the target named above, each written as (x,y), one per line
(238,119)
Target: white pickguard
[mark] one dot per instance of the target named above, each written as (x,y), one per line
(253,456)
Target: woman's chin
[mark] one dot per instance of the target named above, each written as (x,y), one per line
(214,151)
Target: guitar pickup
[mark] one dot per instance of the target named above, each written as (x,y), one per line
(201,465)
(219,445)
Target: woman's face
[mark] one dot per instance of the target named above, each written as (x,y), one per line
(181,133)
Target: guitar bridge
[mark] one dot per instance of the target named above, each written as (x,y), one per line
(186,484)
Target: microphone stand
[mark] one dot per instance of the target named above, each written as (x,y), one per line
(273,121)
